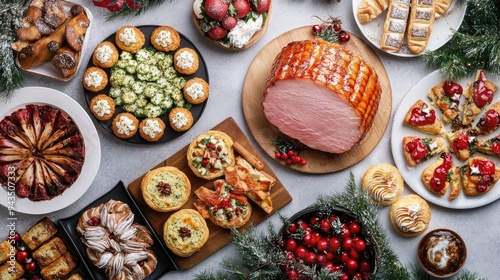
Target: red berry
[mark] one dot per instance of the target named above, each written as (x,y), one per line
(284,156)
(359,245)
(347,244)
(289,161)
(344,36)
(277,154)
(351,266)
(336,27)
(22,255)
(303,162)
(296,159)
(217,32)
(353,254)
(290,245)
(229,23)
(365,266)
(316,29)
(290,153)
(333,244)
(292,274)
(301,252)
(344,277)
(314,220)
(354,227)
(311,258)
(14,238)
(216,9)
(292,228)
(30,265)
(324,225)
(242,8)
(321,259)
(262,7)
(322,245)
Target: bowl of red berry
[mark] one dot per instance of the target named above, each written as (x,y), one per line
(233,25)
(333,243)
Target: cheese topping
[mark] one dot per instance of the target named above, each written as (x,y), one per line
(186,231)
(166,180)
(103,53)
(474,170)
(211,155)
(180,120)
(195,91)
(94,79)
(426,110)
(152,128)
(410,218)
(125,125)
(433,145)
(101,107)
(382,185)
(185,60)
(241,34)
(164,38)
(127,36)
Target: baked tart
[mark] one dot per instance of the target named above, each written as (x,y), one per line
(105,55)
(419,149)
(462,144)
(102,107)
(490,146)
(196,90)
(165,38)
(479,94)
(479,175)
(410,215)
(129,38)
(224,206)
(185,232)
(423,118)
(186,61)
(442,175)
(125,125)
(489,122)
(383,183)
(152,129)
(210,153)
(446,96)
(95,79)
(180,119)
(165,188)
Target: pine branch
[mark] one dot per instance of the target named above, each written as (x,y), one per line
(127,12)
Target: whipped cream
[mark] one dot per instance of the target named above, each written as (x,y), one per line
(185,60)
(102,107)
(127,36)
(94,79)
(180,120)
(195,91)
(241,34)
(125,125)
(103,53)
(152,128)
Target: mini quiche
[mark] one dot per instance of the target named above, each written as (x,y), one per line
(419,149)
(479,94)
(225,206)
(479,175)
(489,122)
(210,153)
(446,96)
(441,176)
(165,188)
(462,144)
(423,118)
(185,232)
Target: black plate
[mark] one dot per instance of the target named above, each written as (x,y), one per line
(196,110)
(119,192)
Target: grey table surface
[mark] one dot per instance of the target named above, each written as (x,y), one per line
(480,227)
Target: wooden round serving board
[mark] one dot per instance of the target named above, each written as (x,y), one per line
(252,41)
(264,132)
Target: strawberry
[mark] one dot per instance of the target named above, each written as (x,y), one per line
(229,23)
(216,9)
(217,32)
(261,6)
(242,8)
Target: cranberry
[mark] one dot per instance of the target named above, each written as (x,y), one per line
(303,162)
(336,27)
(354,227)
(301,252)
(321,259)
(333,244)
(461,142)
(365,266)
(290,153)
(277,155)
(316,29)
(284,156)
(439,178)
(290,245)
(324,225)
(30,265)
(359,245)
(322,245)
(451,88)
(351,266)
(495,147)
(311,258)
(292,274)
(289,161)
(347,244)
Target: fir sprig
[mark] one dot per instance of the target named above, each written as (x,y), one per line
(476,44)
(11,77)
(126,11)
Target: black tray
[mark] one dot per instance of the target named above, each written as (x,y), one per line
(119,192)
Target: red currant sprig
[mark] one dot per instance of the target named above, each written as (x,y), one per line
(288,152)
(331,30)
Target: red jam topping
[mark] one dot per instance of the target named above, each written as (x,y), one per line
(461,142)
(438,180)
(490,121)
(453,90)
(487,173)
(417,149)
(482,95)
(418,117)
(495,147)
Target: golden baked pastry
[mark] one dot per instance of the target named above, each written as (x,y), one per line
(9,272)
(419,149)
(446,96)
(5,251)
(442,6)
(410,215)
(479,175)
(181,119)
(60,267)
(442,175)
(478,94)
(50,251)
(42,231)
(185,232)
(165,38)
(129,38)
(383,183)
(210,153)
(395,25)
(105,55)
(75,276)
(186,61)
(152,129)
(125,125)
(489,146)
(462,144)
(368,10)
(196,90)
(165,188)
(420,23)
(423,118)
(102,107)
(223,209)
(95,79)
(489,121)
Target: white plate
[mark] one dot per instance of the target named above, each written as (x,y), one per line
(47,96)
(442,31)
(412,175)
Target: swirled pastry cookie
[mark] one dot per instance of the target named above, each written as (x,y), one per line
(129,38)
(165,38)
(115,243)
(210,153)
(442,175)
(185,232)
(165,188)
(384,183)
(410,215)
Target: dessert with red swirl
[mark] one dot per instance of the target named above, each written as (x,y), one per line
(115,243)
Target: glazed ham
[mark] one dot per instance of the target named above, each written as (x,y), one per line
(322,95)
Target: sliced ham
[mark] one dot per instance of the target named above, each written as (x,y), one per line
(322,95)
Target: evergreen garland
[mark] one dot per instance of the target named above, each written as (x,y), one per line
(476,44)
(11,77)
(261,255)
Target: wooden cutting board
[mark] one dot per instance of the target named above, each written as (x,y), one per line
(218,237)
(264,132)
